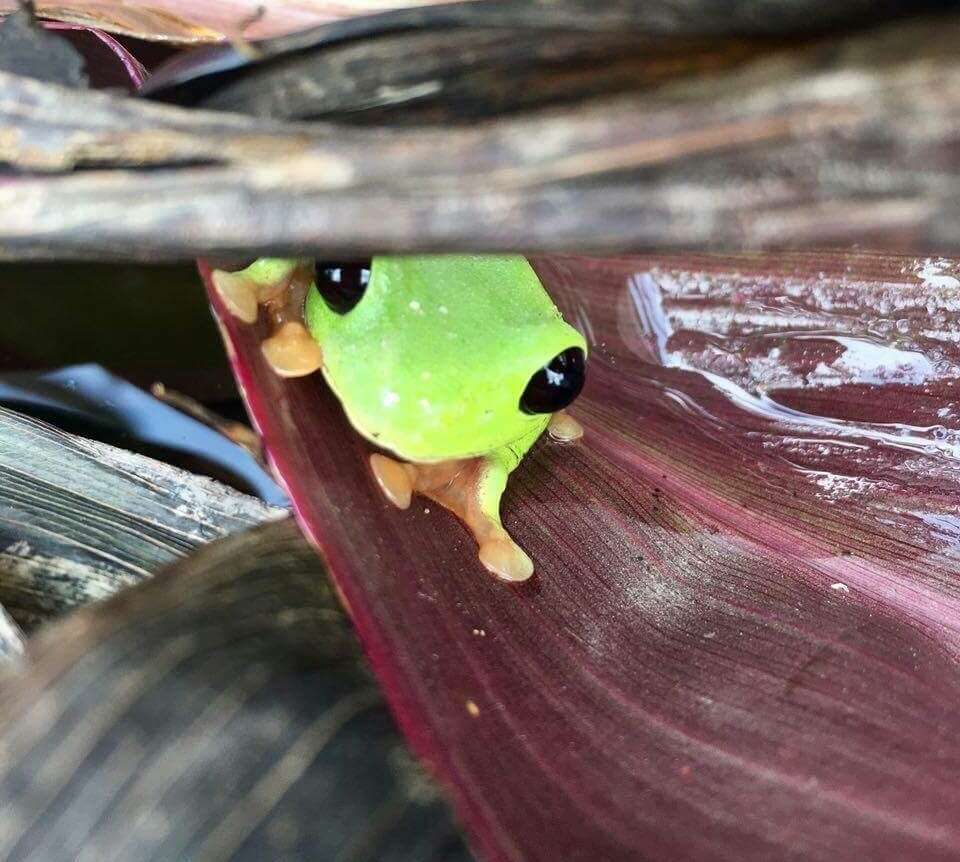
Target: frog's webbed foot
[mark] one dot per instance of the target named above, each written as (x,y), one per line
(280,286)
(471,489)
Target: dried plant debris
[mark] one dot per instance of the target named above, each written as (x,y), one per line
(190,22)
(28,49)
(853,140)
(79,520)
(475,59)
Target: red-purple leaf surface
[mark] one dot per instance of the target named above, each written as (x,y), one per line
(742,638)
(108,61)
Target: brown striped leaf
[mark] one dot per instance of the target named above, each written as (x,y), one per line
(219,711)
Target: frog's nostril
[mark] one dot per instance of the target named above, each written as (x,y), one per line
(557,384)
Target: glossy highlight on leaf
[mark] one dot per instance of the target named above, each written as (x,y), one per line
(742,639)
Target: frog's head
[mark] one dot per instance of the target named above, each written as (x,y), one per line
(447,356)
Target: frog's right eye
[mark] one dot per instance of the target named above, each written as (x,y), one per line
(342,283)
(557,384)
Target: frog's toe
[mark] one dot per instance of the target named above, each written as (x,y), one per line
(471,489)
(564,428)
(503,557)
(263,282)
(394,479)
(291,351)
(238,292)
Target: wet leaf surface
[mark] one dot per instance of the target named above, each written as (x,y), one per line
(742,639)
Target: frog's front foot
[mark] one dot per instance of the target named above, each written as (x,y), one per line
(279,285)
(291,351)
(471,489)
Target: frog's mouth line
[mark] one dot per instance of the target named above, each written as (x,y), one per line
(378,441)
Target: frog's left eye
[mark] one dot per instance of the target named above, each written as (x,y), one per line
(557,384)
(342,283)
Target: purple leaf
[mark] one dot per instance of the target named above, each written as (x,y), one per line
(190,21)
(102,51)
(742,639)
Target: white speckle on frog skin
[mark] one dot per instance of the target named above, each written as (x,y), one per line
(414,305)
(425,375)
(390,398)
(442,309)
(425,405)
(839,587)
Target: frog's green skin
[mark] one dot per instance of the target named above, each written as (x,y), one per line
(433,360)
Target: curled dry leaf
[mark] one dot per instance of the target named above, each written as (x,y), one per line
(854,142)
(190,22)
(88,39)
(742,640)
(462,61)
(218,20)
(79,56)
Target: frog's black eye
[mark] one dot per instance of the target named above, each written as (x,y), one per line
(342,283)
(557,384)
